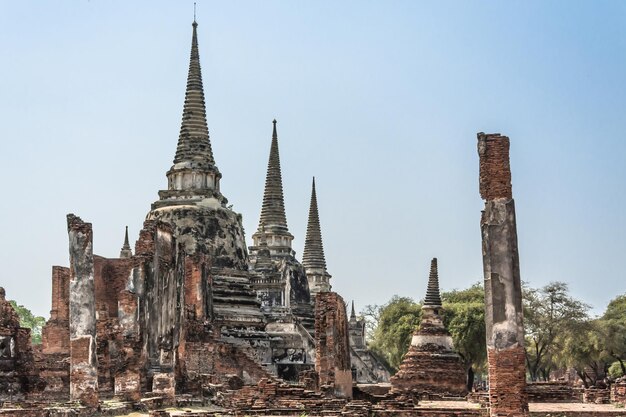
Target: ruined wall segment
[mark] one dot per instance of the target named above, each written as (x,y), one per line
(332,361)
(17,371)
(503,295)
(83,361)
(55,335)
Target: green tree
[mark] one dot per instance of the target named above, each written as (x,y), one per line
(30,321)
(464,317)
(397,320)
(550,314)
(613,322)
(581,348)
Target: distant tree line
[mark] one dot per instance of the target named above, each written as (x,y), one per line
(560,333)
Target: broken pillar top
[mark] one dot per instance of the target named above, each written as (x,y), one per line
(495,168)
(3,294)
(76,223)
(433,298)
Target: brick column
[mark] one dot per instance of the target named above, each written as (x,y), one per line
(332,347)
(503,295)
(83,359)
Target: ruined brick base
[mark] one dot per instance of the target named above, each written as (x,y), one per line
(597,396)
(164,384)
(553,392)
(430,374)
(507,382)
(618,391)
(83,372)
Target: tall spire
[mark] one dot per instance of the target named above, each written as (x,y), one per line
(194,176)
(352,313)
(433,299)
(313,257)
(126,251)
(273,209)
(193,142)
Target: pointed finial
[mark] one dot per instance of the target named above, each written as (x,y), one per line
(433,298)
(352,314)
(126,251)
(273,207)
(194,13)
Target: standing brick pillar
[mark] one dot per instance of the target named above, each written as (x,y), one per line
(332,345)
(503,294)
(83,359)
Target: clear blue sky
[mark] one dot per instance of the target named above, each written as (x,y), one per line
(381,101)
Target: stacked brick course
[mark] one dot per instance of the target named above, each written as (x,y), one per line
(618,391)
(552,392)
(597,395)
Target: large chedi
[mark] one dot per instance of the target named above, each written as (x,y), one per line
(431,367)
(203,226)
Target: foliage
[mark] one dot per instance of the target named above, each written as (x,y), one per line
(582,349)
(614,329)
(394,323)
(397,320)
(615,370)
(550,314)
(464,317)
(30,321)
(371,315)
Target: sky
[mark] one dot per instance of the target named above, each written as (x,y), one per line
(380,101)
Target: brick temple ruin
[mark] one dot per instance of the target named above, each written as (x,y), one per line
(192,317)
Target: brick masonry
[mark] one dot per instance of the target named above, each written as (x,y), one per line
(507,382)
(332,354)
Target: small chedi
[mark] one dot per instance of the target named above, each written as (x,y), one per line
(431,367)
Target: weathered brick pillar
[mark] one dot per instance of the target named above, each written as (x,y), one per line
(503,294)
(332,346)
(83,359)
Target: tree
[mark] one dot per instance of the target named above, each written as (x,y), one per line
(464,317)
(371,315)
(550,313)
(581,348)
(397,320)
(614,325)
(30,321)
